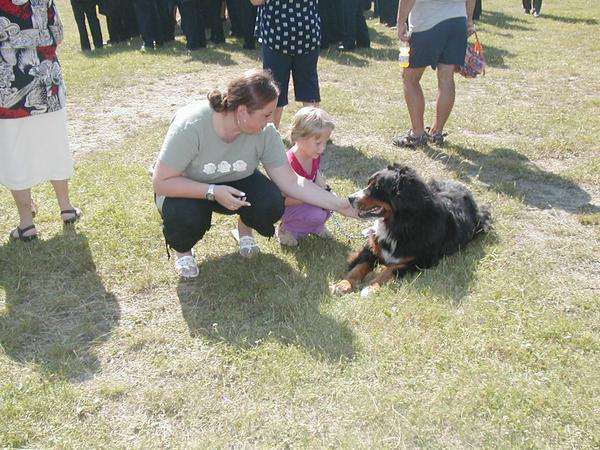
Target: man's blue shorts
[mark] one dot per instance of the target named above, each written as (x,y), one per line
(445,43)
(304,73)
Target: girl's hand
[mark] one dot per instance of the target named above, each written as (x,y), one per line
(230,198)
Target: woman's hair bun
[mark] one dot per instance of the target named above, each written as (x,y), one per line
(217,100)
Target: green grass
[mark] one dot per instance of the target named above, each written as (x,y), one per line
(101,345)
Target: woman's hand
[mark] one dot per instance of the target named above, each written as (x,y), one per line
(258,2)
(403,32)
(470,27)
(230,198)
(347,210)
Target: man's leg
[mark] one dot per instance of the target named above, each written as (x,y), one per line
(92,18)
(414,98)
(445,99)
(79,13)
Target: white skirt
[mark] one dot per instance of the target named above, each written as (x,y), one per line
(34,149)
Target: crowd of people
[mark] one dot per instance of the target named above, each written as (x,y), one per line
(209,159)
(342,22)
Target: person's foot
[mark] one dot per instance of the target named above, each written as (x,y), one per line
(527,11)
(286,238)
(248,245)
(536,14)
(25,234)
(410,140)
(71,215)
(346,47)
(186,266)
(435,137)
(325,233)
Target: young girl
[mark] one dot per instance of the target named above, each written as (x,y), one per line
(311,129)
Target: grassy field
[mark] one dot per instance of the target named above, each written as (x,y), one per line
(102,346)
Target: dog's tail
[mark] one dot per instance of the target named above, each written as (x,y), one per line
(484,220)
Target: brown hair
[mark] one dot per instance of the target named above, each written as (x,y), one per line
(254,89)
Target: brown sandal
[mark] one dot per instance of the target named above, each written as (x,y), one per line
(21,234)
(78,214)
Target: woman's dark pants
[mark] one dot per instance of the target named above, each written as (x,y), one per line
(81,11)
(186,220)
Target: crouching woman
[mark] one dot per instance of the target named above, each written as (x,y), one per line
(209,163)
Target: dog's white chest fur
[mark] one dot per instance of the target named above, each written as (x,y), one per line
(387,243)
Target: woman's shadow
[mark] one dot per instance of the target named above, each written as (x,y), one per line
(246,304)
(57,308)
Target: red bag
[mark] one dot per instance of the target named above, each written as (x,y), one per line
(474,64)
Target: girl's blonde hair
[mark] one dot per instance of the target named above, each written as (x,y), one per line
(310,121)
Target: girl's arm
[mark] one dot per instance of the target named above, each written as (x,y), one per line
(305,190)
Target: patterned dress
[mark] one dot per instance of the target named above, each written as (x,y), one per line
(34,146)
(31,80)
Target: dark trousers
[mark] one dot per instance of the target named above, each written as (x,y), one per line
(166,17)
(193,23)
(121,22)
(248,20)
(477,10)
(186,220)
(83,11)
(215,23)
(234,11)
(537,5)
(149,22)
(329,25)
(356,33)
(388,12)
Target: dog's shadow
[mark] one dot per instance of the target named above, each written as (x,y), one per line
(246,304)
(57,308)
(454,277)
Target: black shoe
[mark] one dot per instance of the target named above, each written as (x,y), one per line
(346,47)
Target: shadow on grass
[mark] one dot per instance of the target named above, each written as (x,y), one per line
(348,162)
(220,54)
(504,21)
(507,171)
(57,307)
(453,278)
(495,57)
(249,303)
(564,19)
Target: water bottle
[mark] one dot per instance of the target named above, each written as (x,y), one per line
(403,54)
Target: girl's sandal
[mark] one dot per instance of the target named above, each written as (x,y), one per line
(20,236)
(76,215)
(248,245)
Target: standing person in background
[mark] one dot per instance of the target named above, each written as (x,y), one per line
(248,21)
(148,18)
(34,147)
(193,23)
(290,34)
(82,10)
(477,11)
(537,7)
(215,21)
(166,15)
(234,13)
(437,35)
(388,12)
(119,15)
(354,26)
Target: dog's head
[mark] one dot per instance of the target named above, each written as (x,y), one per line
(389,192)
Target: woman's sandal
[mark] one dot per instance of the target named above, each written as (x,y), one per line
(21,234)
(187,267)
(77,214)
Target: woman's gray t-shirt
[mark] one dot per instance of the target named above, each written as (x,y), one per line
(193,147)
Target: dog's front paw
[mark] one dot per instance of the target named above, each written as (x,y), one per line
(341,287)
(368,290)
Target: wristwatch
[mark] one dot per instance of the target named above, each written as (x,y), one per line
(210,194)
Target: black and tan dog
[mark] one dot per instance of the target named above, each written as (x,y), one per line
(417,224)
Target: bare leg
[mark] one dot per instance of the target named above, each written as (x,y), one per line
(415,100)
(23,202)
(61,188)
(243,230)
(445,99)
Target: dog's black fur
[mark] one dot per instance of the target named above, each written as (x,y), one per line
(419,223)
